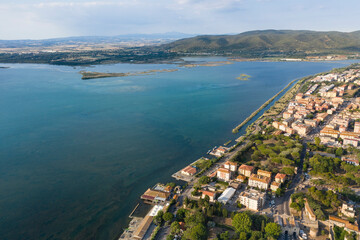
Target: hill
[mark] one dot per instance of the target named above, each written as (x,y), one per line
(291,42)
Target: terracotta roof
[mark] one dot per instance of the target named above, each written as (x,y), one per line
(241,177)
(348,225)
(258,178)
(224,170)
(189,169)
(230,163)
(143,227)
(208,193)
(280,175)
(276,184)
(263,172)
(246,167)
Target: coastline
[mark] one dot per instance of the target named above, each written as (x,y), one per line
(135,222)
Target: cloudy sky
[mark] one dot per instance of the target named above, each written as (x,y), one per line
(37,19)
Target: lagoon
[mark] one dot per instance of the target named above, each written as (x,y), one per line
(76,155)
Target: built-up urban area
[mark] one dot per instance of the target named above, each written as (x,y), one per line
(294,175)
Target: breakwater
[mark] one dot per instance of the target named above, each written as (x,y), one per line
(238,127)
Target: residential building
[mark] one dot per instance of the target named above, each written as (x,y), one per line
(223,174)
(357,127)
(326,131)
(280,177)
(264,173)
(349,227)
(351,159)
(240,178)
(352,142)
(232,166)
(260,182)
(210,194)
(252,199)
(274,186)
(348,210)
(246,170)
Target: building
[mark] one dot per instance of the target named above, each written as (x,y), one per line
(223,174)
(275,186)
(288,224)
(352,142)
(246,170)
(327,131)
(210,194)
(357,127)
(189,171)
(349,135)
(351,159)
(218,152)
(143,227)
(154,196)
(348,210)
(280,177)
(252,199)
(232,166)
(240,178)
(264,173)
(226,195)
(260,182)
(349,227)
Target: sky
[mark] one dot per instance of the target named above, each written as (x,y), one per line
(40,19)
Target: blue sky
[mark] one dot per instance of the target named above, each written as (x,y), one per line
(38,19)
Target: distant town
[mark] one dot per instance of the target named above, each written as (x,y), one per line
(293,175)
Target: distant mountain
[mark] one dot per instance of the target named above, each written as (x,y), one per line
(270,41)
(151,38)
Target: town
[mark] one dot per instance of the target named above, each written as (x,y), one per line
(294,175)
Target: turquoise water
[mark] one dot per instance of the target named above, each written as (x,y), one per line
(76,155)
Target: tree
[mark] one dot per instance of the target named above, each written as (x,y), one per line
(317,141)
(339,152)
(224,236)
(225,213)
(273,230)
(158,218)
(168,216)
(262,226)
(180,214)
(170,237)
(242,222)
(175,227)
(242,236)
(198,232)
(204,179)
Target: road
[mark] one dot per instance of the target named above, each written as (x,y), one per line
(284,201)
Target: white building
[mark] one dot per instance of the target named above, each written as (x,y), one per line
(252,199)
(226,195)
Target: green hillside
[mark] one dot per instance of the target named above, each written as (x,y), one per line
(271,41)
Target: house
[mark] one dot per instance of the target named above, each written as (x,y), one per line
(274,186)
(252,199)
(189,171)
(352,142)
(210,194)
(240,178)
(351,159)
(357,127)
(348,210)
(349,135)
(280,178)
(154,196)
(264,173)
(259,181)
(246,170)
(223,174)
(232,166)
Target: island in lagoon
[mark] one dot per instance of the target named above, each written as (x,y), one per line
(92,75)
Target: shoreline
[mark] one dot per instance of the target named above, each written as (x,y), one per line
(238,127)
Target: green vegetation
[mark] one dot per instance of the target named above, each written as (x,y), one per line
(322,202)
(335,171)
(271,43)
